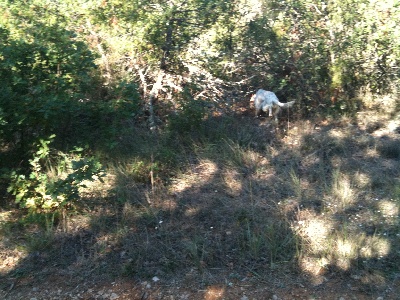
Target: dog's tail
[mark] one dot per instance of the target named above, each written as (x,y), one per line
(287,104)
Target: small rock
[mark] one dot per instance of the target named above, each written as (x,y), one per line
(379,298)
(275,297)
(244,298)
(113,296)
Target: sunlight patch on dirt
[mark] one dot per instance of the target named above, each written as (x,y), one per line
(214,293)
(11,260)
(375,247)
(5,216)
(315,267)
(346,250)
(192,211)
(10,253)
(98,188)
(233,181)
(389,208)
(342,190)
(361,179)
(316,232)
(197,176)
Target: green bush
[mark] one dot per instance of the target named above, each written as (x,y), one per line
(41,191)
(189,116)
(44,75)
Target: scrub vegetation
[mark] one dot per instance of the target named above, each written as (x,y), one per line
(132,166)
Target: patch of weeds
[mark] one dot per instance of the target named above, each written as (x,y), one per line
(189,115)
(396,191)
(169,265)
(253,241)
(8,227)
(148,218)
(196,252)
(168,154)
(20,273)
(307,143)
(296,184)
(242,216)
(140,170)
(266,240)
(381,181)
(104,222)
(35,229)
(342,190)
(389,149)
(281,243)
(129,269)
(364,142)
(126,189)
(41,241)
(136,266)
(129,214)
(239,157)
(45,221)
(373,126)
(326,144)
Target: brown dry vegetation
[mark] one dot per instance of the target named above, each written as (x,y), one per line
(240,209)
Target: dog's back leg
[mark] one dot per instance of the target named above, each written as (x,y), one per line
(277,111)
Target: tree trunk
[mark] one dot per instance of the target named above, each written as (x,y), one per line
(153,97)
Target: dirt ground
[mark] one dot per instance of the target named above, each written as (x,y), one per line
(247,288)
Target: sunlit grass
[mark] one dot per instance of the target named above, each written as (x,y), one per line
(353,229)
(342,191)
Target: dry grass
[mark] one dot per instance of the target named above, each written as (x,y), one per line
(238,201)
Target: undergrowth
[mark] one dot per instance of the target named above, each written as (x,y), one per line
(232,197)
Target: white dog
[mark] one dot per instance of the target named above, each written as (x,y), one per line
(265,100)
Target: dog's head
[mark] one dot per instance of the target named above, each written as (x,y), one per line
(252,98)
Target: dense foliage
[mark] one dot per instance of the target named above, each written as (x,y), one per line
(83,70)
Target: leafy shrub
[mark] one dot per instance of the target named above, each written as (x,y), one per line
(44,75)
(189,116)
(40,192)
